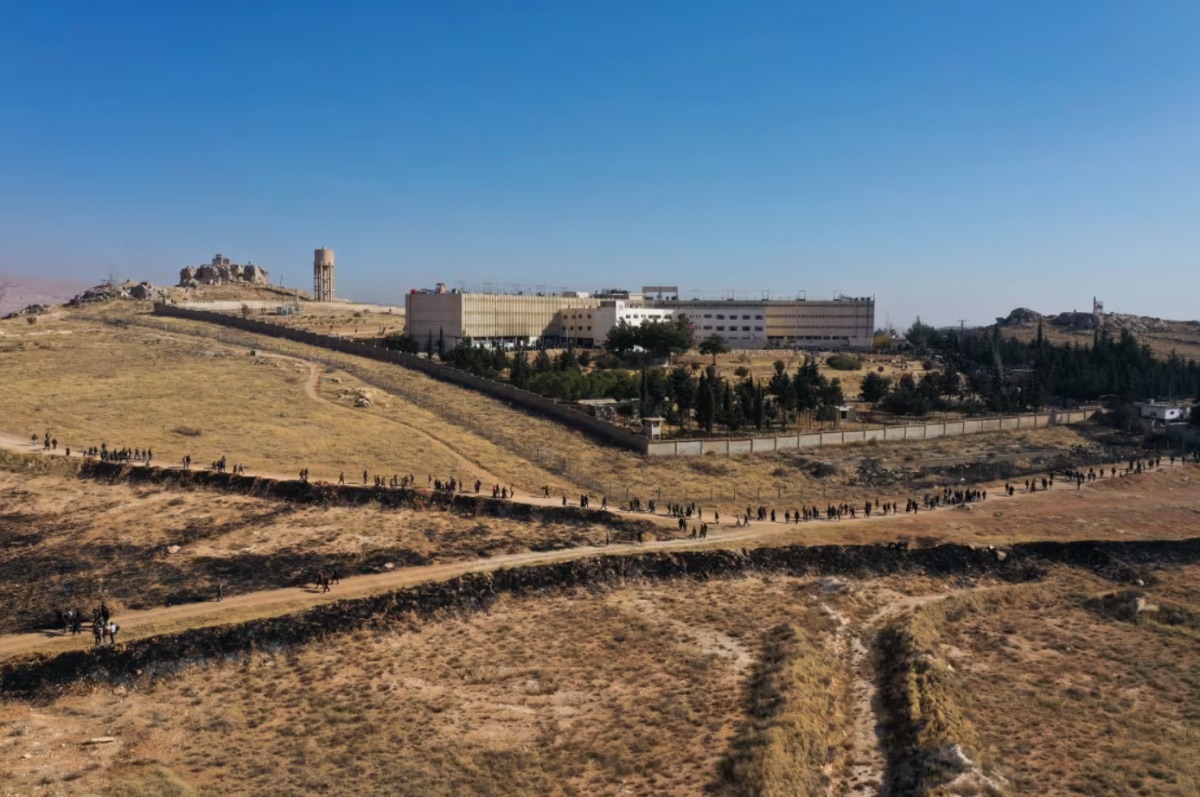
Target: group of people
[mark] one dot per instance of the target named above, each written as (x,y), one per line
(324,578)
(101,452)
(104,630)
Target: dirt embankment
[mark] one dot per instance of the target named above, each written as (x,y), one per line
(473,592)
(324,494)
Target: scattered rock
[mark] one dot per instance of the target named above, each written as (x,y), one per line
(30,310)
(143,290)
(173,549)
(390,566)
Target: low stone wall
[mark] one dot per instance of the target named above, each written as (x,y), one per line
(170,653)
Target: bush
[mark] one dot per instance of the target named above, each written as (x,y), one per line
(844,362)
(741,372)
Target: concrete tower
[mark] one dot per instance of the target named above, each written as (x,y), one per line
(323,275)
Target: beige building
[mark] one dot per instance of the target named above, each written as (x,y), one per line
(530,319)
(773,323)
(491,318)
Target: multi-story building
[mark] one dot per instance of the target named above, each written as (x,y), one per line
(843,322)
(574,318)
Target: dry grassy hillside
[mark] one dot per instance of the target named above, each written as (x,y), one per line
(644,690)
(64,541)
(1071,693)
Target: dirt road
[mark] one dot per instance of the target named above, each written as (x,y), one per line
(1098,499)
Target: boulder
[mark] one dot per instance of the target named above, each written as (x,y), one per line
(143,290)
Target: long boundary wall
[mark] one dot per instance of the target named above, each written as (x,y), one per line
(613,435)
(923,431)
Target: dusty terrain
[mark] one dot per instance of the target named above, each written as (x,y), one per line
(639,690)
(1070,698)
(264,552)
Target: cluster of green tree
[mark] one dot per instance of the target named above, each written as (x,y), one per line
(402,342)
(1009,375)
(937,390)
(658,338)
(783,399)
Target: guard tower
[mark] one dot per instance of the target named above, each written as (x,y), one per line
(323,275)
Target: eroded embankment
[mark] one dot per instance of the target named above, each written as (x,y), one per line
(473,592)
(324,494)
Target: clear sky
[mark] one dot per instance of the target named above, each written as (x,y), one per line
(955,159)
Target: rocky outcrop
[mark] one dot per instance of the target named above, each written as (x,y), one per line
(109,292)
(221,272)
(31,310)
(1019,317)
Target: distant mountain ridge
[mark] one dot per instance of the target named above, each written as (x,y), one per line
(17,293)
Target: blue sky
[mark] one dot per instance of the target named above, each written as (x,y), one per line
(955,159)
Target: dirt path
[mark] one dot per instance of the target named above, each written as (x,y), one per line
(275,602)
(866,775)
(311,389)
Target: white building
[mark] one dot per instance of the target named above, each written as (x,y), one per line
(1162,411)
(612,312)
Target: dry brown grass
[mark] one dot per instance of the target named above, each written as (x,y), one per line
(79,536)
(1068,700)
(796,736)
(91,382)
(635,691)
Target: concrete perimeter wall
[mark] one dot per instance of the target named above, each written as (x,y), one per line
(924,431)
(605,432)
(613,435)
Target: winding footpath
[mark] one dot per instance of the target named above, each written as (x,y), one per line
(275,602)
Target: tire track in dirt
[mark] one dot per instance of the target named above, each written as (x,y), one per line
(867,774)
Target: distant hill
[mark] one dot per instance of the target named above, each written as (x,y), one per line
(17,293)
(1162,335)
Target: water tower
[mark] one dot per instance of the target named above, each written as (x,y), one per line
(323,275)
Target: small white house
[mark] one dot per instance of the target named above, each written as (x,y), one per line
(652,428)
(1162,411)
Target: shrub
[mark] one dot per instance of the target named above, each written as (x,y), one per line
(741,372)
(844,362)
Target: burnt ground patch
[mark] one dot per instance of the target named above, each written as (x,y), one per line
(168,653)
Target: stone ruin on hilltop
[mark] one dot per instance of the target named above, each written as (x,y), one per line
(220,272)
